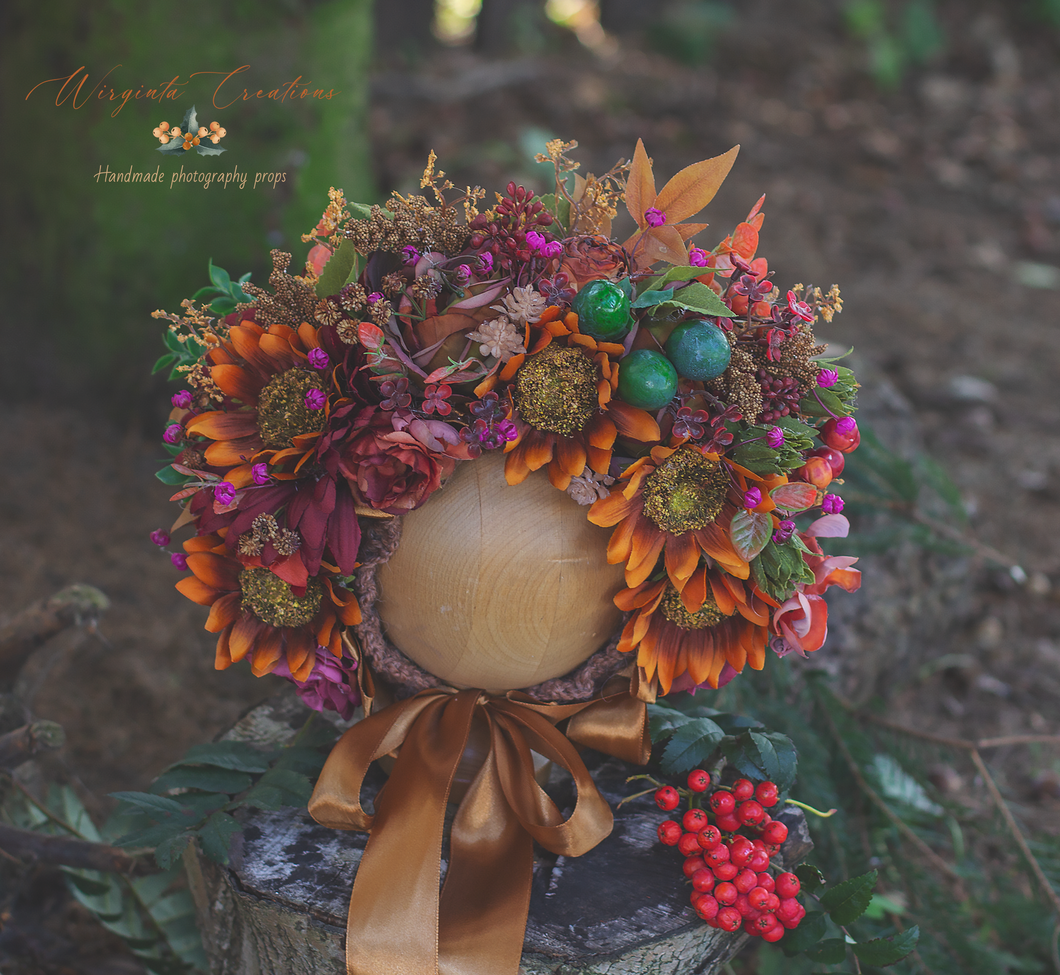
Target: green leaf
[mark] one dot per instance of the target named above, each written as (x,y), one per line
(361,211)
(897,784)
(87,885)
(171,477)
(750,532)
(227,754)
(155,806)
(307,761)
(881,952)
(794,496)
(216,836)
(649,299)
(846,902)
(787,759)
(191,121)
(663,721)
(339,270)
(295,784)
(172,147)
(222,306)
(219,277)
(205,778)
(809,876)
(264,797)
(209,149)
(698,298)
(162,363)
(690,745)
(831,951)
(810,930)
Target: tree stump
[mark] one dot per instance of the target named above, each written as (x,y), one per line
(280,906)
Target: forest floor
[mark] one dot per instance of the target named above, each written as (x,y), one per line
(936,207)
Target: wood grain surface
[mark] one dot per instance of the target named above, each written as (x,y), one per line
(498,586)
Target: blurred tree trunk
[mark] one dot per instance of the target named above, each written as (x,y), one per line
(500,21)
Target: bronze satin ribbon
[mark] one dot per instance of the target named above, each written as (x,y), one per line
(398,923)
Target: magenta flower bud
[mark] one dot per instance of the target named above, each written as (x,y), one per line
(160,538)
(784,531)
(172,434)
(315,399)
(752,498)
(552,249)
(375,297)
(654,217)
(507,429)
(224,493)
(485,262)
(260,474)
(409,254)
(463,272)
(775,438)
(846,425)
(697,257)
(319,359)
(179,561)
(827,377)
(535,241)
(181,400)
(832,504)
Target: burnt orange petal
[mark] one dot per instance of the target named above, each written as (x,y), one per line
(599,460)
(201,543)
(558,477)
(600,432)
(632,422)
(197,591)
(222,658)
(233,453)
(246,343)
(279,350)
(308,334)
(704,659)
(267,652)
(219,425)
(235,382)
(245,632)
(640,185)
(717,544)
(301,653)
(571,456)
(284,332)
(612,509)
(670,659)
(756,651)
(538,448)
(224,612)
(688,191)
(217,571)
(694,594)
(646,549)
(681,555)
(722,596)
(620,546)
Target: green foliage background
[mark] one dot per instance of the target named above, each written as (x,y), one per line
(85,263)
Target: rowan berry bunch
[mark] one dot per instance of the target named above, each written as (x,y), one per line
(729,870)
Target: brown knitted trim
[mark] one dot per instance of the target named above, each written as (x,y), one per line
(378,542)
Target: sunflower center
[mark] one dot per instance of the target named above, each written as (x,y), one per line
(271,600)
(685,492)
(674,610)
(283,412)
(555,390)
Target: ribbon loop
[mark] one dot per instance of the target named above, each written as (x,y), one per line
(398,923)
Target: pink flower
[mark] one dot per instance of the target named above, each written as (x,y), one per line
(697,257)
(827,377)
(179,561)
(535,241)
(552,249)
(173,433)
(319,359)
(802,622)
(224,493)
(654,217)
(330,686)
(181,400)
(752,497)
(315,399)
(260,474)
(395,464)
(160,537)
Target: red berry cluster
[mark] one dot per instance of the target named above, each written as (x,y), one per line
(729,871)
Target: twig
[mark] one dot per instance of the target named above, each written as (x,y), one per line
(23,743)
(1018,740)
(68,851)
(1017,834)
(25,631)
(899,824)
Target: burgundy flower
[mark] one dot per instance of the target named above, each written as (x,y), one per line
(330,686)
(592,257)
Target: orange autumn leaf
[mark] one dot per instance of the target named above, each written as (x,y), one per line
(688,192)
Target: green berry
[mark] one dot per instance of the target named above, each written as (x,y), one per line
(647,379)
(699,350)
(602,308)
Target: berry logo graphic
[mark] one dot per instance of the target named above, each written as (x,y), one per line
(190,135)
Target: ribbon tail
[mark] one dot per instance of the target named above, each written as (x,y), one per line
(486,897)
(393,921)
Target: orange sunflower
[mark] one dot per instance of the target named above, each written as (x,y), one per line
(285,402)
(567,416)
(678,502)
(722,622)
(260,616)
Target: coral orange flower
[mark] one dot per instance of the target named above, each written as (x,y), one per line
(660,235)
(678,502)
(284,401)
(729,626)
(567,416)
(258,615)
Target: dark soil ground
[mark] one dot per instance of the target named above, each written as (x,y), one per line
(936,207)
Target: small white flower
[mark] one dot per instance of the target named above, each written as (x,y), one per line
(499,339)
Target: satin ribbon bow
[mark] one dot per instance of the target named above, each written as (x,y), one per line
(398,923)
